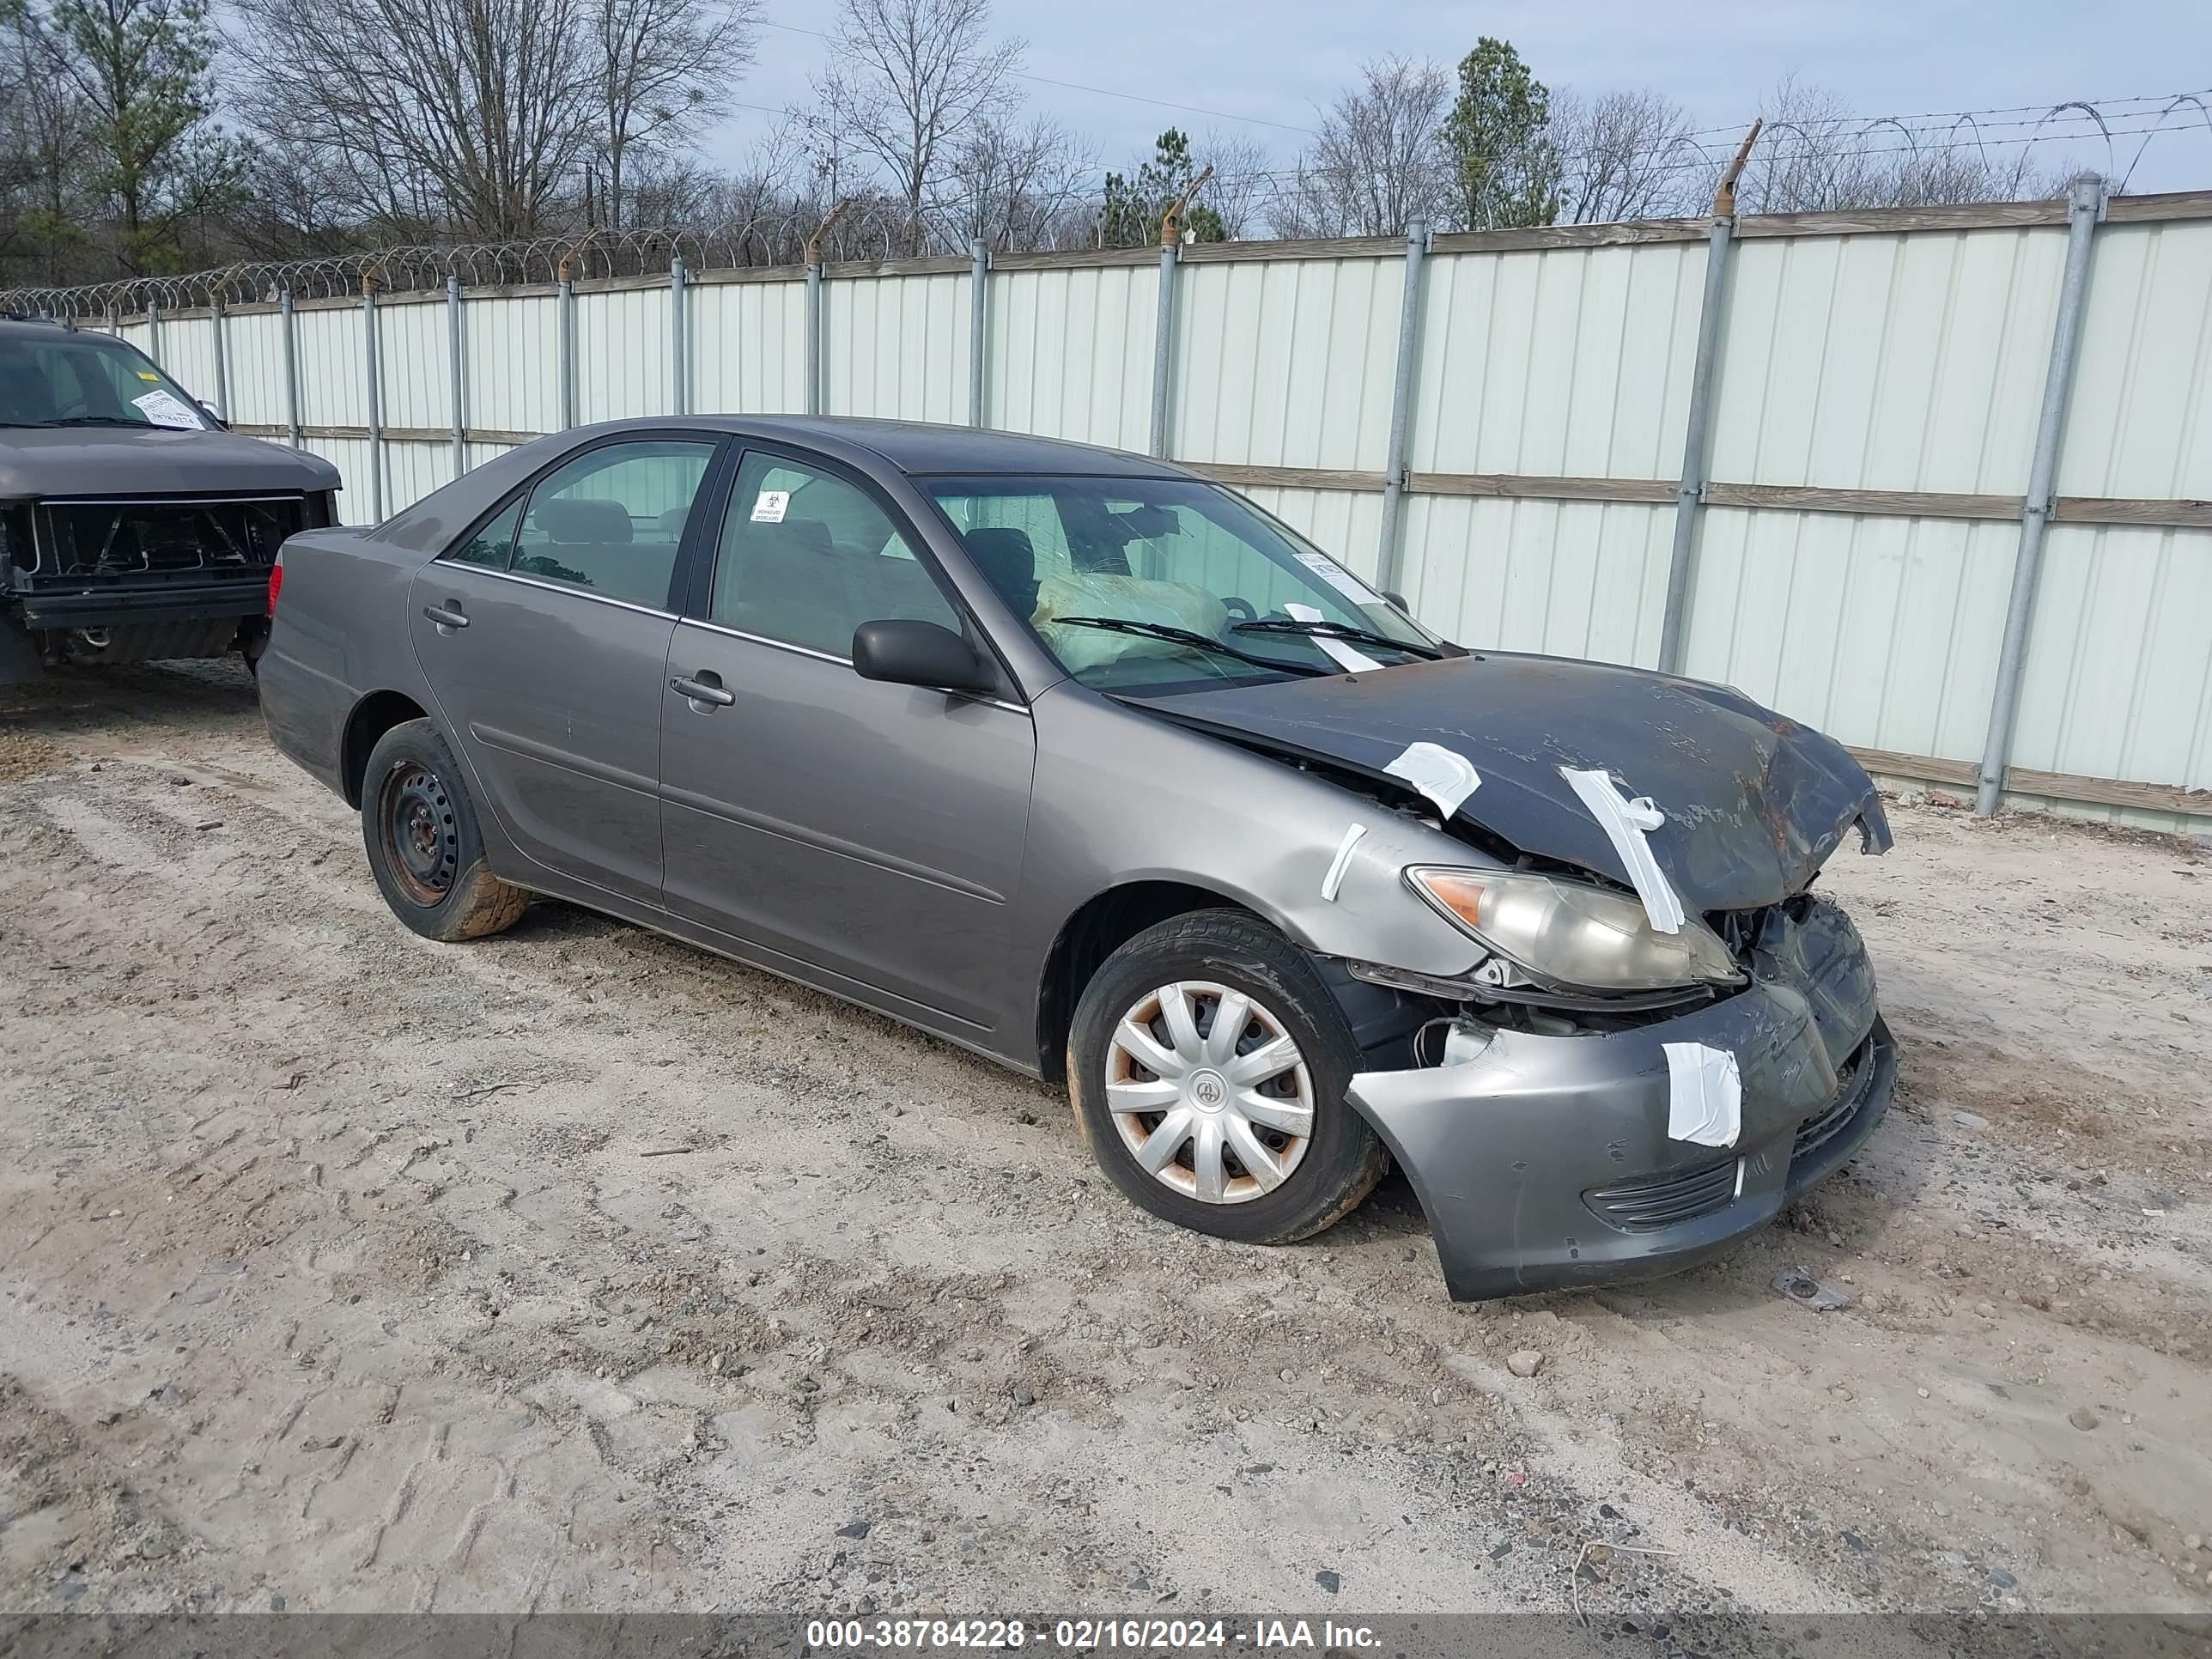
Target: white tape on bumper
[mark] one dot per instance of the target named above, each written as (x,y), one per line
(1705,1095)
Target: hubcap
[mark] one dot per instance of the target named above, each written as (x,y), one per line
(1209,1092)
(422,843)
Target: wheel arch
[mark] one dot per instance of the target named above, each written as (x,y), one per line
(372,717)
(1096,928)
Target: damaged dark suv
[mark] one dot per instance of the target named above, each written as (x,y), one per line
(1089,764)
(132,525)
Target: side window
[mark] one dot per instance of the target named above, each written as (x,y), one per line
(806,558)
(490,545)
(611,520)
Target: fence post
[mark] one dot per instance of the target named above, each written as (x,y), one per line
(222,363)
(456,369)
(1696,438)
(369,342)
(154,331)
(1163,346)
(979,322)
(814,332)
(564,329)
(291,365)
(1389,555)
(679,386)
(2085,206)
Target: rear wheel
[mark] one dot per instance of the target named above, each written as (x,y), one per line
(1208,1065)
(424,844)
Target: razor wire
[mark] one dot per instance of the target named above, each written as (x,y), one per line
(778,240)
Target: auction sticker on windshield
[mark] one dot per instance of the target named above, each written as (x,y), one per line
(1339,578)
(163,410)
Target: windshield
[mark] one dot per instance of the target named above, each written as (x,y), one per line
(1110,571)
(64,378)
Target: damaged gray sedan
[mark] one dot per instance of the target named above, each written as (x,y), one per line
(1091,765)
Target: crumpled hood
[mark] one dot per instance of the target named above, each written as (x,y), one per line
(1754,802)
(114,460)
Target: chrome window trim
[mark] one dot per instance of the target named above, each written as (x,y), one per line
(556,587)
(728,632)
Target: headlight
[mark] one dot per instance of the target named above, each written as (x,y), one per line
(1573,933)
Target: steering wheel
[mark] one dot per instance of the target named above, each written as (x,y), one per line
(1240,609)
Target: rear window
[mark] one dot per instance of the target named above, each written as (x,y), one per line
(70,378)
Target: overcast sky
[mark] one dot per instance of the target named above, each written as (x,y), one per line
(1276,62)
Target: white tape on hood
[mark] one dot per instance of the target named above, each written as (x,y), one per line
(1334,879)
(1625,823)
(1340,652)
(1444,777)
(1705,1095)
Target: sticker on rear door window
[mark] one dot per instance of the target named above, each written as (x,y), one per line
(769,509)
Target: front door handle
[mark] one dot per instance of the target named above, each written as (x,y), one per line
(705,687)
(448,618)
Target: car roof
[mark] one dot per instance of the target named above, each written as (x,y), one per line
(920,448)
(15,322)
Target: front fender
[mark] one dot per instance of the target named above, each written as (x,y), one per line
(1122,797)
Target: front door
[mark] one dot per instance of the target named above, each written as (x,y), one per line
(872,832)
(545,637)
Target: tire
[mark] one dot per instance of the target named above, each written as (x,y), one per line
(424,844)
(1320,1176)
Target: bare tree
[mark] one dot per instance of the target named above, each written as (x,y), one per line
(908,76)
(1627,156)
(42,200)
(655,67)
(1018,185)
(1378,164)
(431,117)
(1241,191)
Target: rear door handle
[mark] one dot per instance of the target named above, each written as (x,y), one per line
(705,688)
(447,617)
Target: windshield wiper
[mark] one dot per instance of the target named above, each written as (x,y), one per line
(1330,630)
(82,420)
(1190,637)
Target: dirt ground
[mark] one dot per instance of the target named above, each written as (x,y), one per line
(573,1268)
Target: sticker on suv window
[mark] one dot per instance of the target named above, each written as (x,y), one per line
(769,509)
(163,410)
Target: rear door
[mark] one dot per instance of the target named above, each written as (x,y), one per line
(545,634)
(871,831)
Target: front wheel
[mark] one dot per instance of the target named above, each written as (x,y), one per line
(424,844)
(1208,1065)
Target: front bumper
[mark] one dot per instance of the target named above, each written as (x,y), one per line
(1545,1161)
(121,604)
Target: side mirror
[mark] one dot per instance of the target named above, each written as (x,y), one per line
(909,653)
(1398,600)
(211,411)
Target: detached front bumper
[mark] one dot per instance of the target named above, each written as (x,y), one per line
(1545,1161)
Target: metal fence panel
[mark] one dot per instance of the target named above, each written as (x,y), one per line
(1908,362)
(1071,353)
(896,347)
(1573,361)
(257,369)
(2140,423)
(1286,363)
(624,365)
(748,346)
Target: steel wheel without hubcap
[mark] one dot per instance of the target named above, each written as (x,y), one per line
(1209,1092)
(421,841)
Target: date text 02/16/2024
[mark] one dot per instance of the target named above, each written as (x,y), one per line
(1085,1635)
